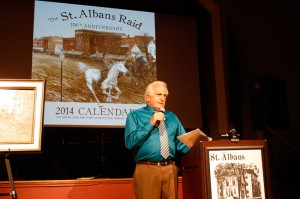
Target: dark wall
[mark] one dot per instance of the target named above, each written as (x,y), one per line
(262,38)
(70,153)
(17,21)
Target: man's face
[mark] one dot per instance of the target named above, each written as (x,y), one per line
(158,99)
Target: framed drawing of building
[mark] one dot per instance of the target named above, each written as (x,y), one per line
(21,114)
(227,170)
(237,171)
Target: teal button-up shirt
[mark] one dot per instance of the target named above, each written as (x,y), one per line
(142,138)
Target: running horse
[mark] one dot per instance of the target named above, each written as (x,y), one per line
(110,83)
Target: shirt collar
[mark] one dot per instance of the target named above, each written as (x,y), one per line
(150,109)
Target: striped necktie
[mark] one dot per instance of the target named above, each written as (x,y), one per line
(163,136)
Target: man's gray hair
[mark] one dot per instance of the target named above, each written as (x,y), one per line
(151,88)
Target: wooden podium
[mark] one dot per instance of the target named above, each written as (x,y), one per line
(225,169)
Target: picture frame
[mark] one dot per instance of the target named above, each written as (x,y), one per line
(237,170)
(21,114)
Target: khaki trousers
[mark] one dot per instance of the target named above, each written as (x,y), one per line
(155,182)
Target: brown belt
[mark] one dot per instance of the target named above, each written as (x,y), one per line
(164,163)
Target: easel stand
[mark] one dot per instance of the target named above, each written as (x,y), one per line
(13,192)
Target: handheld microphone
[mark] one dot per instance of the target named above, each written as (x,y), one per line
(162,109)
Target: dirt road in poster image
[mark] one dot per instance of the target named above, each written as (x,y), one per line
(65,81)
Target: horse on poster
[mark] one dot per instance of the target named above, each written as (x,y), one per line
(138,69)
(110,83)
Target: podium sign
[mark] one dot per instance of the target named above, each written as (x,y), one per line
(225,169)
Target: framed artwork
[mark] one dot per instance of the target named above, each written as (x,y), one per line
(21,114)
(237,171)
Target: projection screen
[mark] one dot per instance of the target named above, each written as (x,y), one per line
(97,62)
